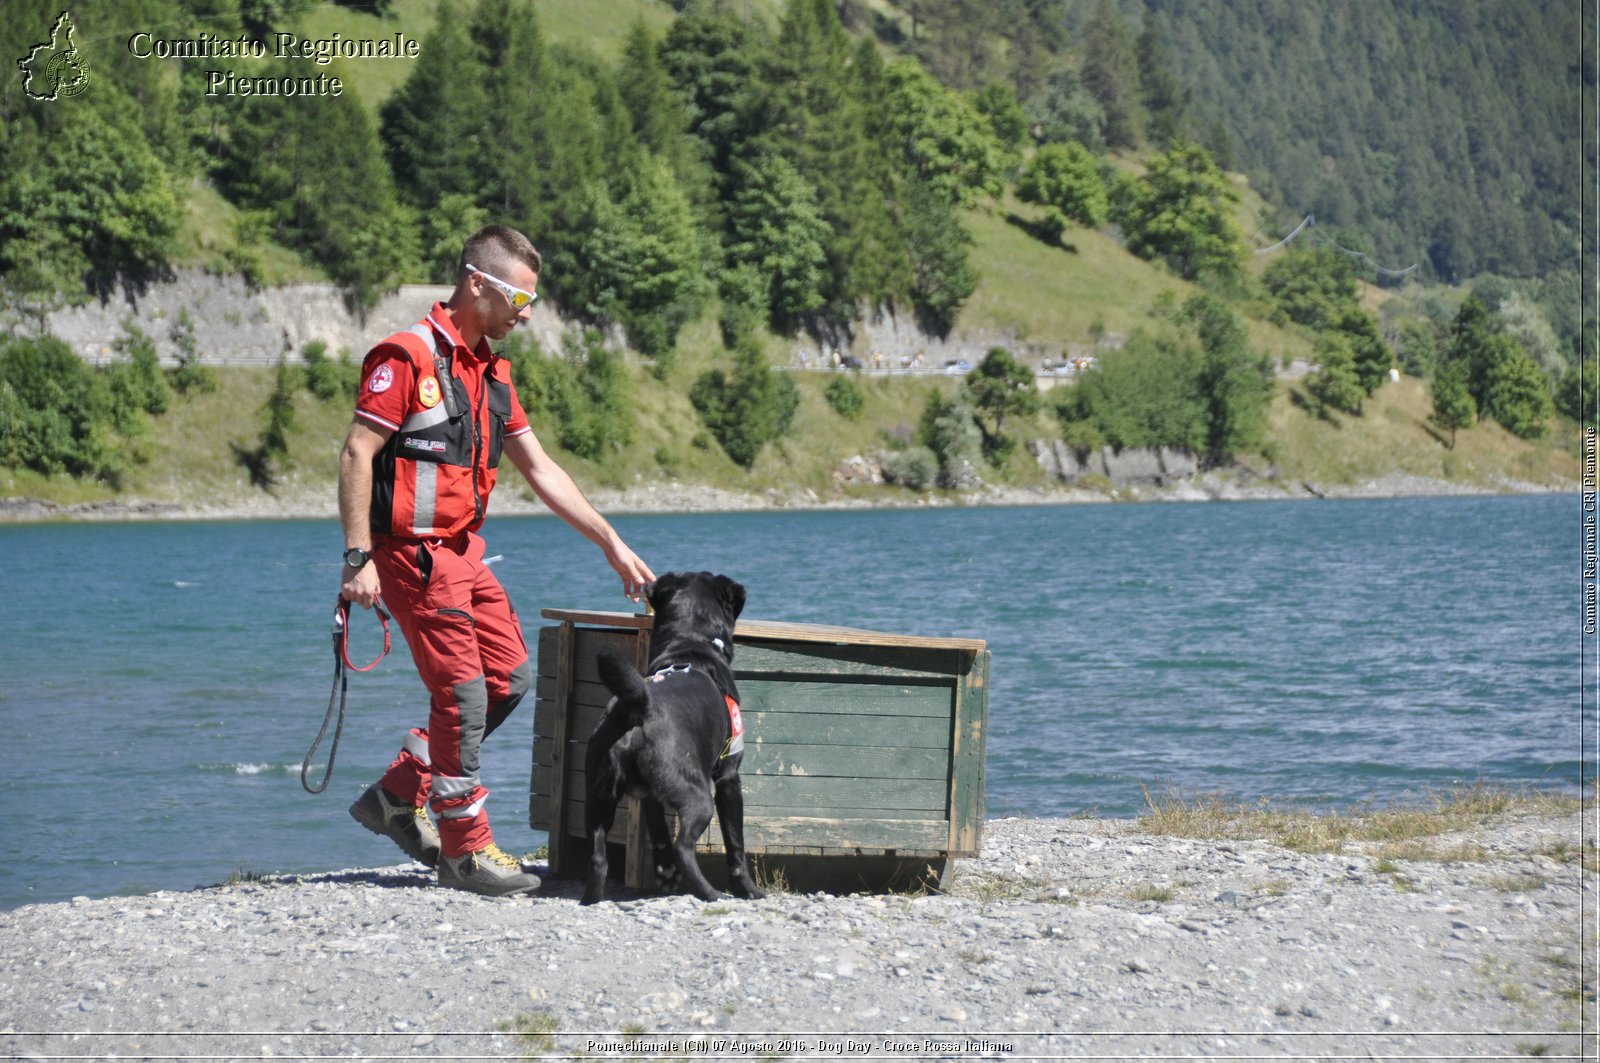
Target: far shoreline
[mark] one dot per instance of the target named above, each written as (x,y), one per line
(306,502)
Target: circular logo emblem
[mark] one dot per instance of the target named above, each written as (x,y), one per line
(382,378)
(428,391)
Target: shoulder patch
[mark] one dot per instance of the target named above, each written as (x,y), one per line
(428,391)
(381,380)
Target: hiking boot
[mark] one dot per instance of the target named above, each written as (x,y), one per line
(408,826)
(490,871)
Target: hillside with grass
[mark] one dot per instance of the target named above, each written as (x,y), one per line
(1013,246)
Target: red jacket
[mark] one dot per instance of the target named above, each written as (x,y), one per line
(450,411)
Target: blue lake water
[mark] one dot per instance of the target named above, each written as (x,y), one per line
(160,682)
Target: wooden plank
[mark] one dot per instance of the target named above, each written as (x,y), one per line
(777,630)
(876,761)
(856,699)
(777,832)
(558,741)
(842,662)
(967,760)
(780,729)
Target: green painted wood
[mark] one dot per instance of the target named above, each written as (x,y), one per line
(853,698)
(845,661)
(773,832)
(967,760)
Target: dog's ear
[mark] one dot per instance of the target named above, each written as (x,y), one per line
(732,595)
(660,592)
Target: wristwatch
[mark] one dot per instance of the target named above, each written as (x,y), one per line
(355,557)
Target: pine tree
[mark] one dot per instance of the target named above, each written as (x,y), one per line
(1111,76)
(1453,407)
(1166,102)
(445,91)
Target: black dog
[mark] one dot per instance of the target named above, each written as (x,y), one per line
(671,738)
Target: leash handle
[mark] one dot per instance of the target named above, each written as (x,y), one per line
(341,635)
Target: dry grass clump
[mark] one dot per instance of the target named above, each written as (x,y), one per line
(1304,827)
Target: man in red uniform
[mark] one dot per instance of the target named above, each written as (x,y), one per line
(435,413)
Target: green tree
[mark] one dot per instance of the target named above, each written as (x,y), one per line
(1233,383)
(1063,111)
(189,377)
(942,277)
(1165,100)
(1517,393)
(1144,394)
(711,58)
(1111,76)
(86,208)
(1181,213)
(314,165)
(1065,179)
(146,388)
(943,140)
(444,91)
(1453,407)
(53,415)
(750,407)
(1416,347)
(1372,357)
(776,229)
(1315,287)
(1000,388)
(640,264)
(998,103)
(1335,384)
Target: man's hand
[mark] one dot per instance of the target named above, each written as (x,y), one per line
(634,572)
(360,585)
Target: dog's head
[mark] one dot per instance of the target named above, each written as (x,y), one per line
(695,605)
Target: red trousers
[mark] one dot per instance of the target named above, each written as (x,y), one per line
(469,650)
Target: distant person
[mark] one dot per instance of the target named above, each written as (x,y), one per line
(435,413)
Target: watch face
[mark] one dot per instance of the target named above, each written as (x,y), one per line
(355,557)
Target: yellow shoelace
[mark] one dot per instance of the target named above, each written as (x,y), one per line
(500,856)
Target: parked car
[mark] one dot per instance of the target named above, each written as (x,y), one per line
(957,366)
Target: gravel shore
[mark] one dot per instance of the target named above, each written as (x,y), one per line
(1066,939)
(296,500)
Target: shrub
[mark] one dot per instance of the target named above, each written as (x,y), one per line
(846,398)
(916,468)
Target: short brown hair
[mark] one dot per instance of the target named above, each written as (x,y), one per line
(494,247)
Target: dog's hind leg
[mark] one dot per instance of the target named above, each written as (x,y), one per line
(605,772)
(668,879)
(694,816)
(730,814)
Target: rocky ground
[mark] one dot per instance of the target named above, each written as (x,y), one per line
(1066,939)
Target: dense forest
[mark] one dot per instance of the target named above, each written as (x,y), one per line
(795,168)
(1433,132)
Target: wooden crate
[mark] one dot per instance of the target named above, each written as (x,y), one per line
(863,764)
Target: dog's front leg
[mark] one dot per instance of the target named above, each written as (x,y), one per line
(730,814)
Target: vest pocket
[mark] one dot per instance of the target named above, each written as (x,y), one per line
(499,417)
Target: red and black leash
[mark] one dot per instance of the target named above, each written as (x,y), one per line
(341,687)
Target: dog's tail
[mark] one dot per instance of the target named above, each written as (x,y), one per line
(623,679)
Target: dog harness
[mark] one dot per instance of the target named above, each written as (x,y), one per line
(735,743)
